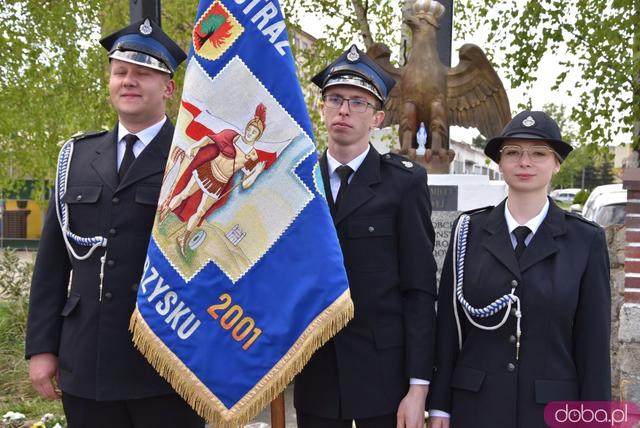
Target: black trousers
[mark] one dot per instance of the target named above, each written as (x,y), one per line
(165,411)
(311,421)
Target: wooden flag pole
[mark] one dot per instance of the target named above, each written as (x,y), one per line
(277,411)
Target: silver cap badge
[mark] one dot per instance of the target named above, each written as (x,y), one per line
(145,27)
(407,164)
(528,122)
(353,54)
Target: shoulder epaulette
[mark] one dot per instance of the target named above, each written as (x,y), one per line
(83,135)
(579,217)
(479,210)
(400,162)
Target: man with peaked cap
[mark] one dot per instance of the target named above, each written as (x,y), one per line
(98,227)
(376,370)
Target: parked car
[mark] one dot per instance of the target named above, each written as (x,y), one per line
(588,209)
(564,195)
(609,208)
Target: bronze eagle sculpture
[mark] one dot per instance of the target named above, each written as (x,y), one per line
(470,94)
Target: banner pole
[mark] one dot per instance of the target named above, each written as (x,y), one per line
(277,411)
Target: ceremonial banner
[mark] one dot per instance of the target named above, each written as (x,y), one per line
(244,277)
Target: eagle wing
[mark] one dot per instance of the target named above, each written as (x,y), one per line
(381,54)
(475,95)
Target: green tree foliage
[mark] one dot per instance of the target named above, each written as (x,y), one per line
(479,141)
(606,171)
(54,74)
(602,37)
(588,165)
(48,83)
(581,197)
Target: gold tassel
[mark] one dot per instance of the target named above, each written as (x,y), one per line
(206,404)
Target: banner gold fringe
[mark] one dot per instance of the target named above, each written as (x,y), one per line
(204,402)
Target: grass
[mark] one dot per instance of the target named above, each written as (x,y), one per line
(16,393)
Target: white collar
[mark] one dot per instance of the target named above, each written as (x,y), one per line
(146,135)
(354,163)
(533,224)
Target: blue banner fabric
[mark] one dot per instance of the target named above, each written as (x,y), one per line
(244,277)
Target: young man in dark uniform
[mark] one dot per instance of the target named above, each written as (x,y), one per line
(82,298)
(377,369)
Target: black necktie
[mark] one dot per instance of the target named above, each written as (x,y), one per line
(521,233)
(344,172)
(129,157)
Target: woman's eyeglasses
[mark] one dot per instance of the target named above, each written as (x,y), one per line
(535,153)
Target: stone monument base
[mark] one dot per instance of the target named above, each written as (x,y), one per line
(453,193)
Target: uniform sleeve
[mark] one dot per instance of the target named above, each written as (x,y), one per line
(417,277)
(48,288)
(446,337)
(592,324)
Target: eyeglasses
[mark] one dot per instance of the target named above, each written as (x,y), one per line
(357,105)
(536,154)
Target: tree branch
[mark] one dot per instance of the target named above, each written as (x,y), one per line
(361,19)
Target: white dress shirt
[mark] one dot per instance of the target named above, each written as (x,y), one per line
(333,164)
(144,138)
(533,225)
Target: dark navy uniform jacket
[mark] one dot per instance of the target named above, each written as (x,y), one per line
(386,236)
(97,358)
(563,283)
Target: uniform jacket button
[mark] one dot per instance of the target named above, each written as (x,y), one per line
(79,198)
(372,229)
(113,232)
(514,283)
(111,263)
(512,339)
(115,200)
(514,311)
(108,295)
(511,367)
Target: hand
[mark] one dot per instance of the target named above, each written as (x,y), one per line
(43,372)
(438,422)
(411,410)
(178,154)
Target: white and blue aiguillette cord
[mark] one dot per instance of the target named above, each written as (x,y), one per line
(64,163)
(460,246)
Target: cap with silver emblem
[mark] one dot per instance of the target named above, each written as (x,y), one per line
(529,125)
(144,43)
(355,68)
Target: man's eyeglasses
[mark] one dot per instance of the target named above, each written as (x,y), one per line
(357,105)
(536,153)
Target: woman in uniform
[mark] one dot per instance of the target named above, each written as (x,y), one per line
(524,305)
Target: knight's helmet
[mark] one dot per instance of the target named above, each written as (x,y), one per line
(430,9)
